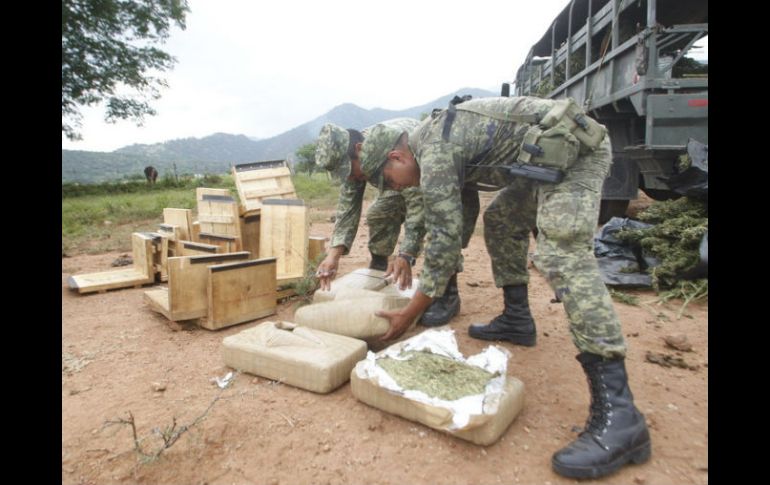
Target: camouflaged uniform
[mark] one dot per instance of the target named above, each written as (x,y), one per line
(474,151)
(384,217)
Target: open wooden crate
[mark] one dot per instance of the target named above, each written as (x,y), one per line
(261,180)
(141,273)
(218,290)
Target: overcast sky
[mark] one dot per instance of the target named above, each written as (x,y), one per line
(259,68)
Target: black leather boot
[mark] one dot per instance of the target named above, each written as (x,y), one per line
(515,324)
(378,262)
(615,432)
(443,309)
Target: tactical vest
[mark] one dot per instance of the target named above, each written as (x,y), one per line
(559,129)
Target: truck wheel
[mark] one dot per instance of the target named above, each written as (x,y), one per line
(612,208)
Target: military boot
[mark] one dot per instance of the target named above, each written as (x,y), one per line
(378,262)
(615,432)
(515,324)
(443,309)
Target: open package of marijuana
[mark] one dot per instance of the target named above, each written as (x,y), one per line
(426,379)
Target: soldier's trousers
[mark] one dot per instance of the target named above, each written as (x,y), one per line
(566,215)
(388,212)
(384,218)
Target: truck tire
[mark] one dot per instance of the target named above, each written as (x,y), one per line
(612,208)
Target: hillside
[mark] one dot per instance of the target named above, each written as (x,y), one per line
(216,153)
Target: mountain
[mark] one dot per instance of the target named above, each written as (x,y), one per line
(216,153)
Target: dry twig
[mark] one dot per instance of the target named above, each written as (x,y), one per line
(169,434)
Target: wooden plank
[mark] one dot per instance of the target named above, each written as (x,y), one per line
(261,174)
(173,234)
(215,219)
(240,292)
(159,249)
(189,248)
(108,280)
(283,232)
(162,257)
(196,229)
(226,244)
(188,283)
(218,213)
(201,191)
(250,233)
(141,248)
(181,218)
(269,192)
(157,300)
(316,246)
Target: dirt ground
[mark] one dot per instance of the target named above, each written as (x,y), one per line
(120,357)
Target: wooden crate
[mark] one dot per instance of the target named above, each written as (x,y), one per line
(218,214)
(141,273)
(250,232)
(283,234)
(182,218)
(240,292)
(186,297)
(261,180)
(173,234)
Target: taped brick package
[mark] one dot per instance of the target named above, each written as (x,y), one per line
(302,357)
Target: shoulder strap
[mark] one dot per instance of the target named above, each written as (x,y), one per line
(499,115)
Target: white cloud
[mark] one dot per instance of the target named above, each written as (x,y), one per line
(261,68)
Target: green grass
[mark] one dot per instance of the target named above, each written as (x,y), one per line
(318,190)
(92,218)
(322,191)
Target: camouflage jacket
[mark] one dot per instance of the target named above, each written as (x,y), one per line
(474,151)
(349,214)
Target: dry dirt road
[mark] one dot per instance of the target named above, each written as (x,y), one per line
(120,357)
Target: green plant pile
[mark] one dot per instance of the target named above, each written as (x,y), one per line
(623,297)
(436,375)
(674,239)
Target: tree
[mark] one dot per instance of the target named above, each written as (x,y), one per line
(306,158)
(107,49)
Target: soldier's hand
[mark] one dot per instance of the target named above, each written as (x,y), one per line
(400,272)
(326,272)
(399,323)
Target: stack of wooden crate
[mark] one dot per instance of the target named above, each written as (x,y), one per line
(224,267)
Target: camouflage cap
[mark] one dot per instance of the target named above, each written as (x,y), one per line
(331,151)
(380,139)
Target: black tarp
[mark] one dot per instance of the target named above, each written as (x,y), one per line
(620,262)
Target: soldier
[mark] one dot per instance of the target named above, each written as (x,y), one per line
(550,161)
(337,152)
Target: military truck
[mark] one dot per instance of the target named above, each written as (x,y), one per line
(626,62)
